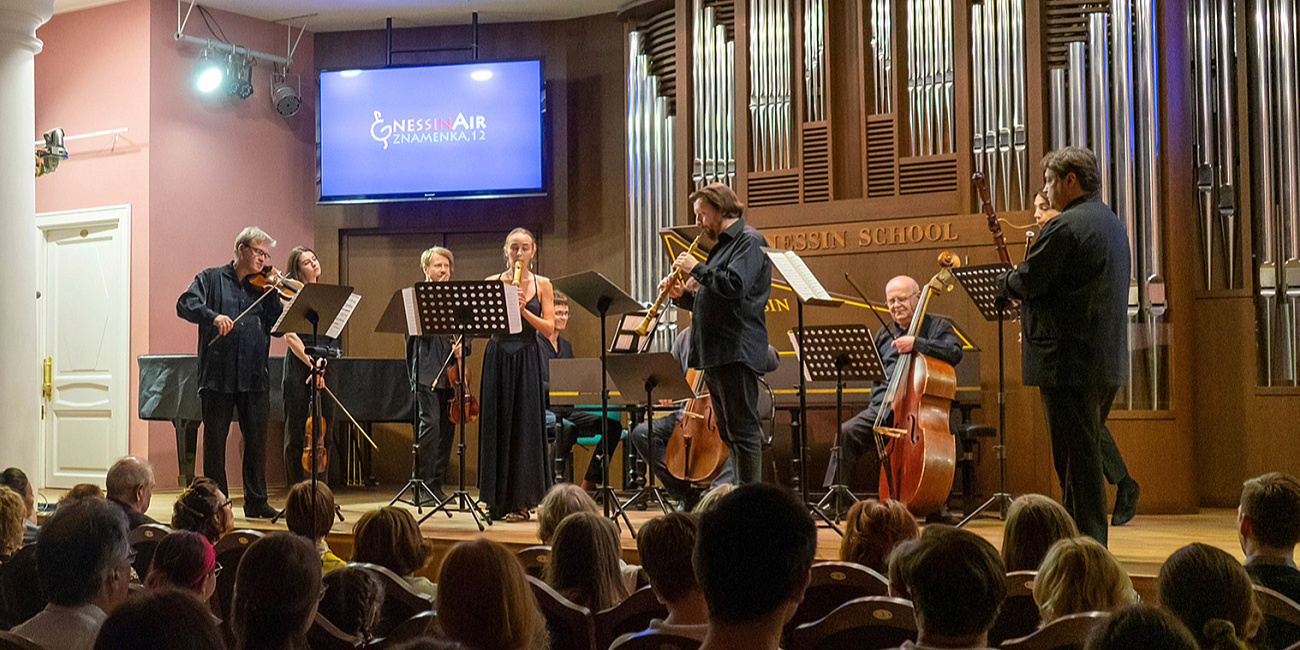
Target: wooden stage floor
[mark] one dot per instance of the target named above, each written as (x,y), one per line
(1142,545)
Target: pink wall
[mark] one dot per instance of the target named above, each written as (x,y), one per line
(195,171)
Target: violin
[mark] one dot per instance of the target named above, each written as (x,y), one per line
(270,279)
(695,452)
(461,400)
(318,449)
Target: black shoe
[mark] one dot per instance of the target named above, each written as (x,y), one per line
(258,511)
(1126,500)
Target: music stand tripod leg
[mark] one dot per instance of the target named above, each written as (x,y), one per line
(1002,498)
(415,484)
(839,494)
(461,498)
(651,490)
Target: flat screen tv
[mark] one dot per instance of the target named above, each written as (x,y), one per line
(431,132)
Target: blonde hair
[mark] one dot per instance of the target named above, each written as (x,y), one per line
(251,234)
(872,529)
(13,514)
(712,497)
(1080,575)
(561,501)
(1034,523)
(427,256)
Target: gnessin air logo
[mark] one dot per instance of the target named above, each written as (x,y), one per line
(429,130)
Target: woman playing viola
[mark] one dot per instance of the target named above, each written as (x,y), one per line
(303,266)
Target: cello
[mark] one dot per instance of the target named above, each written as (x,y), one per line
(920,457)
(695,452)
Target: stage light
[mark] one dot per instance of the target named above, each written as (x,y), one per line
(240,72)
(209,73)
(480,75)
(285,97)
(349,73)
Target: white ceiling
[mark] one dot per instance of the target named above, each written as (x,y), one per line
(340,15)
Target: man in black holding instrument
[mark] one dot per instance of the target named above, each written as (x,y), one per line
(235,320)
(936,338)
(1073,289)
(727,295)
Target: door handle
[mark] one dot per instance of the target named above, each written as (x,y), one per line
(47,384)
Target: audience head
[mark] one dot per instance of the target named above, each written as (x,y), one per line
(485,600)
(1268,518)
(83,556)
(711,498)
(584,561)
(1034,523)
(1142,627)
(431,643)
(561,501)
(1080,575)
(164,620)
(390,537)
(16,480)
(665,544)
(956,582)
(298,510)
(130,480)
(872,529)
(81,491)
(277,587)
(352,600)
(184,559)
(1211,593)
(204,509)
(13,517)
(753,555)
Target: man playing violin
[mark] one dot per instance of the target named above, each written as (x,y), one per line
(233,367)
(935,338)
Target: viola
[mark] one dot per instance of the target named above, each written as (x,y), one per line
(695,452)
(462,401)
(920,457)
(314,445)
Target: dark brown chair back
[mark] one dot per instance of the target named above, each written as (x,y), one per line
(832,584)
(571,626)
(20,590)
(1065,633)
(144,541)
(632,615)
(534,559)
(420,625)
(656,640)
(230,550)
(11,641)
(871,623)
(1019,614)
(401,602)
(323,635)
(1281,618)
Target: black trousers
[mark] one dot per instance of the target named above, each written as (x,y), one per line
(218,409)
(1112,463)
(657,434)
(734,389)
(437,435)
(586,424)
(1076,420)
(856,438)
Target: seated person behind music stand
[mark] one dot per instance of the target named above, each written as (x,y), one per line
(935,338)
(582,422)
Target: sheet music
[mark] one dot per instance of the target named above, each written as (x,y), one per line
(798,274)
(284,312)
(412,319)
(512,309)
(345,313)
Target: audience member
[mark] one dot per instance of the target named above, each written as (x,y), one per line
(486,602)
(298,513)
(1210,592)
(277,587)
(1268,526)
(872,529)
(1142,627)
(81,491)
(83,564)
(184,560)
(390,537)
(431,643)
(957,582)
(1034,523)
(562,500)
(1080,575)
(204,509)
(352,601)
(753,556)
(16,480)
(13,517)
(711,497)
(895,568)
(666,544)
(163,620)
(584,562)
(130,485)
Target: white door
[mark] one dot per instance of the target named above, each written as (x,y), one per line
(85,288)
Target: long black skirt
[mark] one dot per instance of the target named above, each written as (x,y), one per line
(512,472)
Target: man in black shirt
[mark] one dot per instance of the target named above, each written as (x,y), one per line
(727,295)
(1073,287)
(936,338)
(232,369)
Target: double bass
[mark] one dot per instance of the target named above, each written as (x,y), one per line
(918,452)
(695,452)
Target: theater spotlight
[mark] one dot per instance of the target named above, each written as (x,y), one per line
(241,76)
(209,73)
(285,97)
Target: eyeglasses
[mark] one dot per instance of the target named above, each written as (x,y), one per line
(266,255)
(226,504)
(900,301)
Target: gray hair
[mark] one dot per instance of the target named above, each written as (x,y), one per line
(252,234)
(126,475)
(1078,161)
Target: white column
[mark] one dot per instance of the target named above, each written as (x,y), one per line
(20,369)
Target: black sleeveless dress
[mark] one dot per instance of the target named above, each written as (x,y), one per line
(512,472)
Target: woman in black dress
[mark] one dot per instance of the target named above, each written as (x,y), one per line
(304,267)
(512,427)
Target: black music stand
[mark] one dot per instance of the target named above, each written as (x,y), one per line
(982,285)
(596,294)
(312,304)
(840,353)
(656,371)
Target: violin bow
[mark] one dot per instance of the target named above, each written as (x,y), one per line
(354,420)
(269,290)
(870,307)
